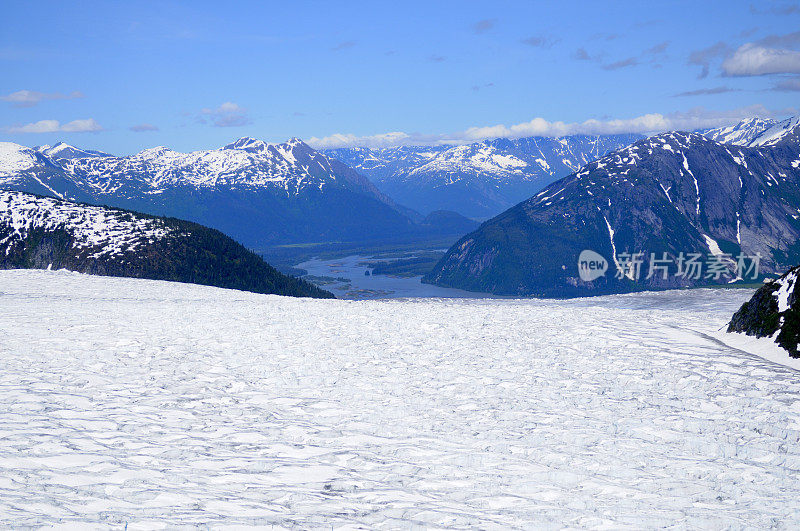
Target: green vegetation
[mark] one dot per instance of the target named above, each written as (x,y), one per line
(285,257)
(413,266)
(321,280)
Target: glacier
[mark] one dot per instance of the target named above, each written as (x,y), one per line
(147,404)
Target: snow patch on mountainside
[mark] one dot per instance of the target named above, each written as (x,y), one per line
(107,232)
(787,286)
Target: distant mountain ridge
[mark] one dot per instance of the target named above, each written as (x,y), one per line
(740,134)
(778,133)
(753,132)
(671,193)
(291,167)
(47,233)
(479,179)
(259,193)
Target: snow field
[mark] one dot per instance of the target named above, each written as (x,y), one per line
(158,404)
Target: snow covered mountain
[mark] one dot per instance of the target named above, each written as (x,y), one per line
(672,193)
(740,134)
(754,132)
(480,179)
(380,164)
(258,193)
(291,168)
(773,312)
(777,133)
(43,232)
(32,171)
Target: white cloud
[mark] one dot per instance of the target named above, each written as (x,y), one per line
(755,60)
(226,107)
(693,119)
(228,114)
(54,126)
(42,126)
(29,98)
(350,140)
(143,128)
(81,126)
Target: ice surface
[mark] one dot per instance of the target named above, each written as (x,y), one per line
(764,347)
(154,404)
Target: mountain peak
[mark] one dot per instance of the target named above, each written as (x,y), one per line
(248,143)
(254,145)
(152,152)
(62,150)
(56,148)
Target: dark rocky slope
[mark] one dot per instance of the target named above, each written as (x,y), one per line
(774,311)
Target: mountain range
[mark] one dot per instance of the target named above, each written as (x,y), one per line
(259,193)
(47,233)
(264,194)
(671,193)
(478,180)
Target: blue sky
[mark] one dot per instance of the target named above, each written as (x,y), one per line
(124,76)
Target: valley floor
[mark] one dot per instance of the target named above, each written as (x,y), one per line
(154,404)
